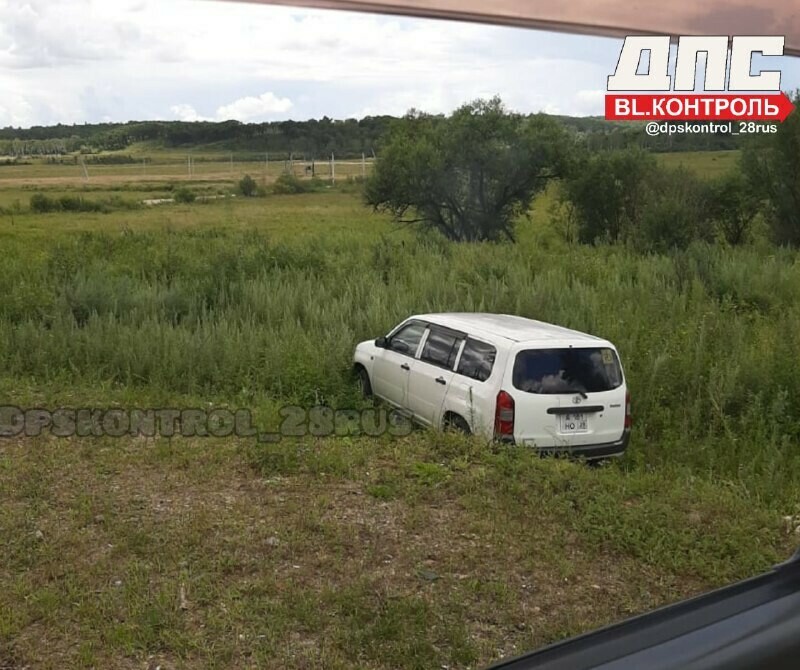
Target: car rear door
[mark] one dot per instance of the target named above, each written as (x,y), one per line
(391,367)
(432,373)
(471,394)
(567,396)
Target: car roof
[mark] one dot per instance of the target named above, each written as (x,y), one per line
(509,327)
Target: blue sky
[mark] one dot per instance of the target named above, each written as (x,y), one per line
(76,61)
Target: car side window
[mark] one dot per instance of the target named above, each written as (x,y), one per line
(477,360)
(406,340)
(441,348)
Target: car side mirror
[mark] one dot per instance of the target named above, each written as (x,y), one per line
(381,343)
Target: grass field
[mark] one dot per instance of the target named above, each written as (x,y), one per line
(154,165)
(416,552)
(704,163)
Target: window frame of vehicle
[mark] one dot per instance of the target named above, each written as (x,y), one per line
(611,370)
(479,341)
(459,338)
(401,328)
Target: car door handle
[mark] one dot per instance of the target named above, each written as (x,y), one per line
(405,366)
(441,380)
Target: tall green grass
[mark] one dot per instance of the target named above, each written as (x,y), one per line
(709,337)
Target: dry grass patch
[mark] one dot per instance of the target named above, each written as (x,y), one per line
(129,553)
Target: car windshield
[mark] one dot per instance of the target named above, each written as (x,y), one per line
(567,370)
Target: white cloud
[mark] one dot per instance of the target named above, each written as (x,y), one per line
(591,97)
(589,102)
(186,113)
(248,108)
(254,108)
(41,33)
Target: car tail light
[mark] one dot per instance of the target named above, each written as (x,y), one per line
(504,415)
(628,417)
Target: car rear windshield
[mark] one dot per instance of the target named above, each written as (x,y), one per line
(569,370)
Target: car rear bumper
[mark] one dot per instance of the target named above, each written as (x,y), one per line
(589,452)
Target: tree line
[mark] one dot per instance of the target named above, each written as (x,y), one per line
(347,138)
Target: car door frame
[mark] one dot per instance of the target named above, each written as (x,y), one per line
(389,357)
(471,398)
(427,409)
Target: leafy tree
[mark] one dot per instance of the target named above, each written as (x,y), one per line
(734,206)
(626,196)
(676,211)
(607,191)
(771,163)
(468,176)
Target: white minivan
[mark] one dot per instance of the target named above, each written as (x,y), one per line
(505,377)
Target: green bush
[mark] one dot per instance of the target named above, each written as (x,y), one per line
(184,195)
(676,212)
(771,164)
(625,196)
(247,186)
(735,206)
(41,204)
(351,184)
(606,191)
(289,184)
(75,203)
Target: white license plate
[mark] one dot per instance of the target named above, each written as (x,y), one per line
(574,423)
